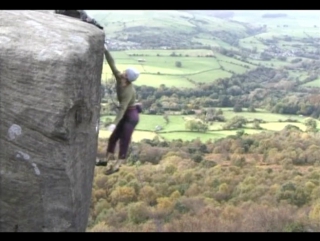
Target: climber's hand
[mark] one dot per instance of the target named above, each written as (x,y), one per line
(99,26)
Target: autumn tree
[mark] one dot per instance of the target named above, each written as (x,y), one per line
(235,123)
(311,125)
(195,125)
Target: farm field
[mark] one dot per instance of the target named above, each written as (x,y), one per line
(163,70)
(315,83)
(175,129)
(156,70)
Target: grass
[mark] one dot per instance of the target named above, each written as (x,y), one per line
(299,74)
(232,67)
(167,80)
(153,80)
(250,44)
(157,70)
(223,58)
(274,63)
(165,52)
(260,114)
(278,126)
(149,122)
(189,136)
(210,76)
(315,83)
(167,65)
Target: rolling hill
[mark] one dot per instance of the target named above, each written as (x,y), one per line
(196,29)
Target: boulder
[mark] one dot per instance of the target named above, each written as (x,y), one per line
(50,80)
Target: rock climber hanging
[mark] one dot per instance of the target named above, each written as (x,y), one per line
(128,111)
(127,117)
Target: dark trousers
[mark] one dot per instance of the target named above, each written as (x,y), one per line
(123,133)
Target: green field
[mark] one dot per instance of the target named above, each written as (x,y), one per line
(251,42)
(223,58)
(190,65)
(209,76)
(189,136)
(175,129)
(315,83)
(167,80)
(167,52)
(162,70)
(232,67)
(277,126)
(299,74)
(260,114)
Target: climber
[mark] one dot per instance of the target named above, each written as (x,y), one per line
(127,117)
(80,14)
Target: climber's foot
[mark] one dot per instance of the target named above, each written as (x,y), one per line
(101,163)
(111,170)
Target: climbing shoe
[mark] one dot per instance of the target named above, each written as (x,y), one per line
(114,167)
(101,163)
(111,170)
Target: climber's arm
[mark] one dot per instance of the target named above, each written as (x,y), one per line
(84,17)
(112,64)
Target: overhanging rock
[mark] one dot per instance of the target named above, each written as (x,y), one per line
(50,79)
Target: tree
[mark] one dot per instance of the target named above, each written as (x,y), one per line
(237,108)
(210,114)
(196,157)
(235,123)
(240,133)
(178,64)
(251,109)
(173,54)
(166,118)
(219,112)
(256,125)
(195,125)
(311,125)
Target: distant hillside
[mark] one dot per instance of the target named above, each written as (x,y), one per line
(187,29)
(175,29)
(225,14)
